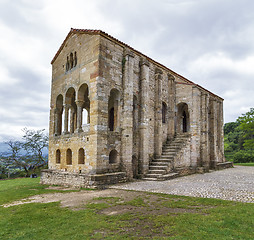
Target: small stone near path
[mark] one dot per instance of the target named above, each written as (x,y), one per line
(235,184)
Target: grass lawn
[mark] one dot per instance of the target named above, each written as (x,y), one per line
(250,164)
(145,216)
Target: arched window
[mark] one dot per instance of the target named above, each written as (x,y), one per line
(58,156)
(184,122)
(75,59)
(58,115)
(164,112)
(183,118)
(71,108)
(113,156)
(111,119)
(81,156)
(69,157)
(113,109)
(83,99)
(71,60)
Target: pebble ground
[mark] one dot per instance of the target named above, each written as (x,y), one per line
(235,184)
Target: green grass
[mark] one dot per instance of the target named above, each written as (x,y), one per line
(250,164)
(150,216)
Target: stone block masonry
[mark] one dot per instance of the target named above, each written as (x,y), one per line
(113,109)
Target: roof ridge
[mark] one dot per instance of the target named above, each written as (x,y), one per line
(98,31)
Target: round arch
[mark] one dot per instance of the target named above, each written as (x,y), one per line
(183,118)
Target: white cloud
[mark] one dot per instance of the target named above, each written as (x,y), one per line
(210,42)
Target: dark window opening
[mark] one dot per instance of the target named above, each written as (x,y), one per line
(164,111)
(81,156)
(184,122)
(69,157)
(113,156)
(58,156)
(111,119)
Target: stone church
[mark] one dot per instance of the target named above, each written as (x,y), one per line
(117,115)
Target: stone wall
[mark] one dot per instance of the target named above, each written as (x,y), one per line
(69,179)
(134,106)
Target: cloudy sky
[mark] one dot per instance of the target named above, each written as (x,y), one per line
(210,42)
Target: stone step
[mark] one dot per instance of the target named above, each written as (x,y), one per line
(163,159)
(152,175)
(167,176)
(156,171)
(149,179)
(171,147)
(158,167)
(159,163)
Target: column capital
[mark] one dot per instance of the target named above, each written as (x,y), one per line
(79,103)
(171,77)
(158,71)
(67,105)
(144,61)
(128,53)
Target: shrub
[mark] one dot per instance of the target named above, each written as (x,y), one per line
(243,157)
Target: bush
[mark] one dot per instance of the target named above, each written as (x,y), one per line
(243,157)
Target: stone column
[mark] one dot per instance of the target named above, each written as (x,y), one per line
(72,120)
(216,125)
(127,116)
(56,119)
(171,107)
(158,114)
(79,115)
(66,118)
(211,134)
(204,147)
(195,118)
(143,127)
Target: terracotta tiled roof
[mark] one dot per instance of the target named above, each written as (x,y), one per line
(106,35)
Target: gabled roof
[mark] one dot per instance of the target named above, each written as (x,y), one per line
(106,35)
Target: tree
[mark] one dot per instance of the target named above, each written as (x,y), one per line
(34,143)
(246,124)
(26,154)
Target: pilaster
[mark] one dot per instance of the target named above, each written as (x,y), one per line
(143,127)
(127,117)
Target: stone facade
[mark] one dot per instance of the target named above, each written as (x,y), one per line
(113,109)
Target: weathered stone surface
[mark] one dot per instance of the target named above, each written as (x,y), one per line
(113,109)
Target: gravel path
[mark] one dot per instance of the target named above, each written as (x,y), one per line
(235,184)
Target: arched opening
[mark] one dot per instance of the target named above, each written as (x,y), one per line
(183,119)
(58,115)
(69,157)
(184,122)
(71,60)
(113,109)
(58,156)
(113,156)
(81,156)
(83,106)
(164,112)
(85,117)
(75,59)
(111,119)
(70,111)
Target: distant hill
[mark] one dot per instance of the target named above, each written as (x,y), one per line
(4,148)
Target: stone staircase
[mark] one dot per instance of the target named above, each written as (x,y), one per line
(162,168)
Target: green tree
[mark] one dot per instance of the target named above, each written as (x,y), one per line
(27,154)
(246,124)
